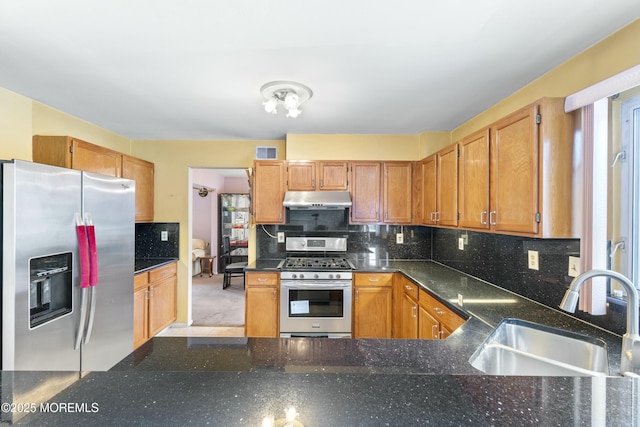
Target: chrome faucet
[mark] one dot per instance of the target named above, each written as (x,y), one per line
(630,357)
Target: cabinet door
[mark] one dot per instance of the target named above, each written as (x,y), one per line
(409,317)
(261,313)
(268,191)
(93,158)
(514,172)
(428,326)
(333,176)
(301,176)
(447,186)
(162,304)
(474,181)
(396,192)
(365,192)
(429,185)
(140,317)
(372,312)
(142,172)
(417,194)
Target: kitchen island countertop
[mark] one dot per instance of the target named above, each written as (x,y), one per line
(351,382)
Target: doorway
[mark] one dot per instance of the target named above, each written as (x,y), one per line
(211,305)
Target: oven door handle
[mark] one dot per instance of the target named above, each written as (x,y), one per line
(328,287)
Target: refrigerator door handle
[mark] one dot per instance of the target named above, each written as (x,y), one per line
(93,274)
(83,256)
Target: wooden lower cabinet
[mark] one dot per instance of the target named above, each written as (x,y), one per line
(437,321)
(261,304)
(372,307)
(154,302)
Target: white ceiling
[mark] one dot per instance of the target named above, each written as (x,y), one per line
(192,69)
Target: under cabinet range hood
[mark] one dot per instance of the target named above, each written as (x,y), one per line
(317,200)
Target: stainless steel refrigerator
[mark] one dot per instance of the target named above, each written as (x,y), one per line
(67,268)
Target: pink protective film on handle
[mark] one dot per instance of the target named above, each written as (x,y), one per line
(93,256)
(83,255)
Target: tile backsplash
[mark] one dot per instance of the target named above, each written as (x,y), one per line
(502,260)
(150,242)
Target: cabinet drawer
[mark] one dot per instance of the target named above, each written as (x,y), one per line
(410,288)
(440,311)
(140,281)
(261,279)
(372,279)
(163,272)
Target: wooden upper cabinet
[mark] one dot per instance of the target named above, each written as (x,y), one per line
(365,192)
(301,176)
(396,192)
(333,176)
(73,153)
(473,181)
(268,191)
(514,172)
(429,185)
(142,172)
(417,194)
(447,186)
(531,169)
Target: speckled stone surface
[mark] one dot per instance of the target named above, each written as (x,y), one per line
(351,382)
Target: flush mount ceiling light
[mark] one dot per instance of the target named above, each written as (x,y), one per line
(289,94)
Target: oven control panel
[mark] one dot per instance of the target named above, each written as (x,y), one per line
(316,244)
(316,275)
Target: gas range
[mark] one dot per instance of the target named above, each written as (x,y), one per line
(317,257)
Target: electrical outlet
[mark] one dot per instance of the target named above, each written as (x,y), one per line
(465,238)
(399,238)
(164,235)
(533,260)
(574,266)
(461,243)
(280,236)
(460,300)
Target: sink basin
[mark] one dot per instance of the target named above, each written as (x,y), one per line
(518,347)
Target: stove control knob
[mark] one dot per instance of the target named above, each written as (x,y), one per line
(294,276)
(316,276)
(330,276)
(301,276)
(337,276)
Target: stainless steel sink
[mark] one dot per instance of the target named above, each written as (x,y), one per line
(518,347)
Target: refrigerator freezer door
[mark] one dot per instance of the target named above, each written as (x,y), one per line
(39,204)
(110,203)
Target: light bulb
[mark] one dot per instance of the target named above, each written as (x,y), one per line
(294,113)
(270,105)
(291,101)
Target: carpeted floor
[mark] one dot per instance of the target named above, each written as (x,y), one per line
(213,306)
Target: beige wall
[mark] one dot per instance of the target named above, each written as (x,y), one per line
(352,147)
(15,126)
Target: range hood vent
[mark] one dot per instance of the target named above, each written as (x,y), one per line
(317,199)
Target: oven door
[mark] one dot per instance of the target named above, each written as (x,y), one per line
(315,308)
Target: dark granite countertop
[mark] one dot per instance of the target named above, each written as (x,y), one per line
(351,382)
(145,264)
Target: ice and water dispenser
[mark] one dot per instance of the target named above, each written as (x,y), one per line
(51,288)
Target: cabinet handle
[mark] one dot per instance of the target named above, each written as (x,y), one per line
(147,295)
(357,295)
(414,311)
(152,290)
(407,287)
(374,279)
(440,334)
(262,279)
(434,331)
(492,217)
(275,295)
(439,310)
(483,217)
(433,217)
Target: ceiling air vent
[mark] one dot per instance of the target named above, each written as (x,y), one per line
(266,153)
